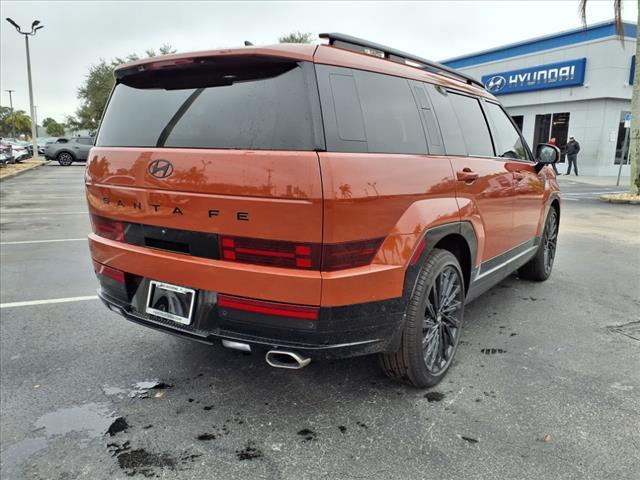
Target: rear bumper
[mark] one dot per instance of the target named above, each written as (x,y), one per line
(339,332)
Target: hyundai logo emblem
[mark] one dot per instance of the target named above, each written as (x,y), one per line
(496,83)
(161,168)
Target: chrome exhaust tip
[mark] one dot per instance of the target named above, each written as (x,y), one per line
(286,359)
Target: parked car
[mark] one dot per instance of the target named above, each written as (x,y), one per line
(314,202)
(19,152)
(6,153)
(42,142)
(75,149)
(5,159)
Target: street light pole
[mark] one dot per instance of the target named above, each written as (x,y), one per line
(35,26)
(13,115)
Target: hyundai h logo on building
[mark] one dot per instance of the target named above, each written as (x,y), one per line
(553,75)
(495,83)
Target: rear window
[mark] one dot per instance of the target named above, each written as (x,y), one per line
(243,108)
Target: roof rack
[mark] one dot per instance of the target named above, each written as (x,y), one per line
(348,42)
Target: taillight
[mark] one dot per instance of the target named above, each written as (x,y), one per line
(418,251)
(107,228)
(338,256)
(112,273)
(270,252)
(335,256)
(302,312)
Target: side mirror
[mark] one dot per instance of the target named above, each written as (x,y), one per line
(546,154)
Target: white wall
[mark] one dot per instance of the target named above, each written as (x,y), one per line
(591,122)
(594,107)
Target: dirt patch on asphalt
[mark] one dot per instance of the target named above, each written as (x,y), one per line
(12,169)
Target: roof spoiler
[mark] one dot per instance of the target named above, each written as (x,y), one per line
(348,42)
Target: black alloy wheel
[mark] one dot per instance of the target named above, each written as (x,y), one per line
(433,324)
(65,159)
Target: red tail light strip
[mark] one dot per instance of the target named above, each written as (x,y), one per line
(268,308)
(107,228)
(418,252)
(112,273)
(270,252)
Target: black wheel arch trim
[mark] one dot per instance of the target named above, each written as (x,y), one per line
(432,236)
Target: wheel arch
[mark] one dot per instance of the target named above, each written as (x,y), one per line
(459,238)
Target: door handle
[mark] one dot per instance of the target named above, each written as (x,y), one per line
(466,175)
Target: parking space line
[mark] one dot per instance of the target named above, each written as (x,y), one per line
(25,242)
(47,302)
(43,213)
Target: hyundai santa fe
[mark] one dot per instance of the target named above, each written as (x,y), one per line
(314,201)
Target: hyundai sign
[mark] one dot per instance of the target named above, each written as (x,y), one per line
(552,75)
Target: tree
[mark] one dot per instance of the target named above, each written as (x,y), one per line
(296,37)
(54,128)
(634,134)
(22,122)
(97,86)
(47,121)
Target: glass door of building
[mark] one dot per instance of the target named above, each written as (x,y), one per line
(552,125)
(622,143)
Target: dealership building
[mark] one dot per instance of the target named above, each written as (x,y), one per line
(577,82)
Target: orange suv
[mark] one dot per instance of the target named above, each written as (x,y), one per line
(314,201)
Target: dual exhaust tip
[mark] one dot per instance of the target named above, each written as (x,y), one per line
(276,358)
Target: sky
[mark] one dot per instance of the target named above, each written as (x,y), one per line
(78,33)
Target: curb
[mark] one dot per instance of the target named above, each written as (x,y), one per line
(20,172)
(619,201)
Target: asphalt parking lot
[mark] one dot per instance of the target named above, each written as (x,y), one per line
(544,385)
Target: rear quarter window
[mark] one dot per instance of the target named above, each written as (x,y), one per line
(369,112)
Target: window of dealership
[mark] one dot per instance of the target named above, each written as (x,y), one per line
(577,82)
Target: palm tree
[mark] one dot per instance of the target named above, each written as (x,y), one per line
(634,134)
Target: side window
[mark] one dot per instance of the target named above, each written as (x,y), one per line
(506,138)
(85,141)
(391,118)
(473,124)
(449,126)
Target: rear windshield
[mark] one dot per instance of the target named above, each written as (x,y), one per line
(252,108)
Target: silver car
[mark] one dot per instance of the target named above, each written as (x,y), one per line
(75,150)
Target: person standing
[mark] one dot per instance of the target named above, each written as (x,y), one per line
(573,147)
(552,141)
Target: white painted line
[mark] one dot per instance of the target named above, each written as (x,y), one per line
(47,302)
(43,213)
(24,242)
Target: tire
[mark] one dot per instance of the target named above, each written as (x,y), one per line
(539,267)
(65,159)
(420,361)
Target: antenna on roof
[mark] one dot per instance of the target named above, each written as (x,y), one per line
(247,43)
(348,42)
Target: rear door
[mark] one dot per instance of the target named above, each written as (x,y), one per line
(228,149)
(484,184)
(528,185)
(83,145)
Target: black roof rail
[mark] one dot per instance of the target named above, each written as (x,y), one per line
(341,40)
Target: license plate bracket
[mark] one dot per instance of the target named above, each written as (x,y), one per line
(172,302)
